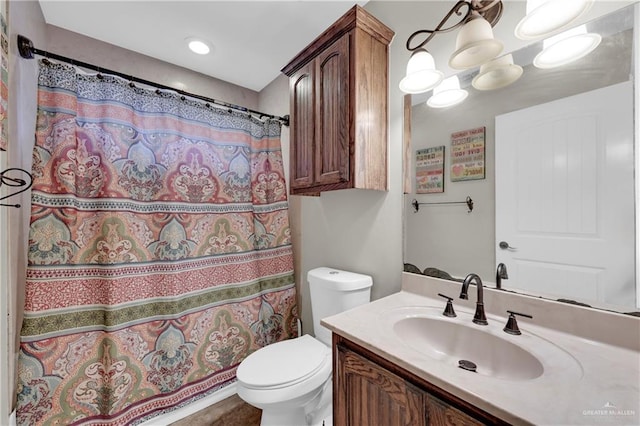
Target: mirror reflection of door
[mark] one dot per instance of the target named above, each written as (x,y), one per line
(565,197)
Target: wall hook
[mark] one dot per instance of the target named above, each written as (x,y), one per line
(5,179)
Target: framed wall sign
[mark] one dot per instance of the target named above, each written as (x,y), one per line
(430,170)
(467,155)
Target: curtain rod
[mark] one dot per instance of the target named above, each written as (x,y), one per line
(27,50)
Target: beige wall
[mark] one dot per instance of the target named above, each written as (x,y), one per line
(24,18)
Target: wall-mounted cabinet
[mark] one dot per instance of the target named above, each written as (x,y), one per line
(339,96)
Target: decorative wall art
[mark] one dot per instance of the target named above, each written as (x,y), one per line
(467,155)
(430,170)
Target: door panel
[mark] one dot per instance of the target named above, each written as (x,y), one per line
(302,127)
(565,197)
(374,396)
(332,144)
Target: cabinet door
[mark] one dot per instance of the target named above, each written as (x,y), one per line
(443,414)
(332,119)
(367,394)
(301,89)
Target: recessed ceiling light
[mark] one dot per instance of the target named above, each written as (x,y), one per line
(199,46)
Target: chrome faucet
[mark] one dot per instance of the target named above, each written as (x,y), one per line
(479,317)
(501,274)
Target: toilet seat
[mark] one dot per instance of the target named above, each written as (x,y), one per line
(284,364)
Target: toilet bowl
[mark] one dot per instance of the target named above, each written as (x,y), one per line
(284,378)
(290,381)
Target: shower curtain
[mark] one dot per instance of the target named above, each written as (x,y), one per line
(159,250)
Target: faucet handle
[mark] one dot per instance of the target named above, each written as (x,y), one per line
(512,323)
(448,310)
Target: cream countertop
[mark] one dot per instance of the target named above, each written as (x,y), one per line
(606,390)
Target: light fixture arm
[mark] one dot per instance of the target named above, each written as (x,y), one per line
(481,8)
(491,10)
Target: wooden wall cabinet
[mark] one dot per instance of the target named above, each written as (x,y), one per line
(368,390)
(339,100)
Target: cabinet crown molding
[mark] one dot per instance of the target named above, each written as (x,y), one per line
(356,17)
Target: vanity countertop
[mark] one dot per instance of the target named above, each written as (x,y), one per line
(605,391)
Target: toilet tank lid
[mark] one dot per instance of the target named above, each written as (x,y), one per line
(338,279)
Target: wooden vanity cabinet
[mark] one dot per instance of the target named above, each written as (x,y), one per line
(338,89)
(369,390)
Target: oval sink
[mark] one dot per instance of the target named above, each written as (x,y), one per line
(453,342)
(487,350)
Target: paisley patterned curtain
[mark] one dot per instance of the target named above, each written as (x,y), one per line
(159,251)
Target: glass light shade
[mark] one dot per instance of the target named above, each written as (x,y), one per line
(566,47)
(545,17)
(422,74)
(447,93)
(497,74)
(475,45)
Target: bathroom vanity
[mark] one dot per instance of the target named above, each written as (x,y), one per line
(370,387)
(396,361)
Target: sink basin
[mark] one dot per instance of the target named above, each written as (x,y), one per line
(450,341)
(484,350)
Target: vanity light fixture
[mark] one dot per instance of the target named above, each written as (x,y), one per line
(198,45)
(545,17)
(422,74)
(448,93)
(475,44)
(566,47)
(497,73)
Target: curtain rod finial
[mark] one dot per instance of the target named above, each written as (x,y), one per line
(25,47)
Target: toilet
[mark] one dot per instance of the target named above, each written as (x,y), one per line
(290,381)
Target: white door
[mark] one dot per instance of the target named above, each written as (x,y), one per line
(565,197)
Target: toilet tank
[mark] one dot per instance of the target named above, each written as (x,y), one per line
(334,291)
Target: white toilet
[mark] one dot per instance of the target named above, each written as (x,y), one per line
(290,381)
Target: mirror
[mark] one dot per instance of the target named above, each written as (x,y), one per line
(444,239)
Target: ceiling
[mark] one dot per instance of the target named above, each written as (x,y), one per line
(251,40)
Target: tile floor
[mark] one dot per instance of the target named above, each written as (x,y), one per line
(232,411)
